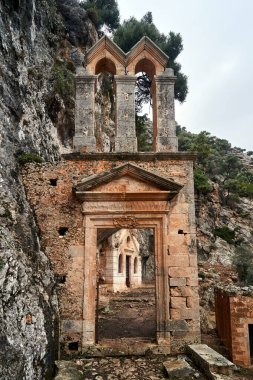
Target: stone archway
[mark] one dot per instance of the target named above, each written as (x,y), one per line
(134,220)
(129,196)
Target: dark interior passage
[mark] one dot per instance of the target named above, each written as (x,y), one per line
(251,341)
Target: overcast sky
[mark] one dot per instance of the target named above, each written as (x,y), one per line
(217,58)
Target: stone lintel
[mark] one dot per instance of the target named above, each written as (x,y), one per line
(127,196)
(126,156)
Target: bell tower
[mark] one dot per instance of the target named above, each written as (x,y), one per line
(144,56)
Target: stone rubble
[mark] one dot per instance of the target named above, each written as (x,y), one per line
(127,368)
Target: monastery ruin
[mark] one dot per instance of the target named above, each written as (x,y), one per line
(87,197)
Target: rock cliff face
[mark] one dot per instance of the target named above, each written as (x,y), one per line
(32,44)
(214,253)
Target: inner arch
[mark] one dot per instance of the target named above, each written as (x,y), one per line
(105,65)
(147,66)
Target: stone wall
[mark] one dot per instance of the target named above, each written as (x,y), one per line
(234,314)
(60,220)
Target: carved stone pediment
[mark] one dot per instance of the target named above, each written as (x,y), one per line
(127,182)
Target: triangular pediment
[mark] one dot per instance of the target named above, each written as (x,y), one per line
(129,180)
(105,44)
(147,45)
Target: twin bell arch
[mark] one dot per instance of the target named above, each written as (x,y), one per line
(145,56)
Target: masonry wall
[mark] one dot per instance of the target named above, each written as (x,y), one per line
(60,221)
(233,316)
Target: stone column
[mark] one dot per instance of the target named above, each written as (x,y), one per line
(165,134)
(125,140)
(84,138)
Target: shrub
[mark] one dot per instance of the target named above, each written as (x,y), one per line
(201,183)
(243,262)
(225,233)
(64,82)
(29,157)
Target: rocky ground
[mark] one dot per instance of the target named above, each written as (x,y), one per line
(129,316)
(137,368)
(121,368)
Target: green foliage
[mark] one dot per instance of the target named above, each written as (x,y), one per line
(29,157)
(201,146)
(243,262)
(64,81)
(132,30)
(225,233)
(218,161)
(102,13)
(143,138)
(201,182)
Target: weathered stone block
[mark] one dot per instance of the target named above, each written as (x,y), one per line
(192,281)
(178,302)
(177,281)
(192,302)
(183,291)
(178,325)
(178,369)
(182,272)
(71,326)
(184,313)
(193,260)
(178,260)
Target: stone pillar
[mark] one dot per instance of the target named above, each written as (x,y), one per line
(165,133)
(125,140)
(84,138)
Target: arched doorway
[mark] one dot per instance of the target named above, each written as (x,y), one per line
(105,70)
(145,71)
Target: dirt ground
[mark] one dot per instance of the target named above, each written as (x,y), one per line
(127,314)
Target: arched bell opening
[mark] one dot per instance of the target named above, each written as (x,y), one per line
(145,71)
(105,70)
(105,65)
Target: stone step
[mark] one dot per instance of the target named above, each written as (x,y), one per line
(125,347)
(210,361)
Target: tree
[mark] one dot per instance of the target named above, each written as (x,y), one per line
(201,182)
(143,137)
(132,30)
(102,13)
(243,262)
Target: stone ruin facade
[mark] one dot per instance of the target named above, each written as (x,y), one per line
(234,322)
(88,192)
